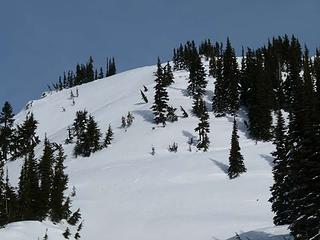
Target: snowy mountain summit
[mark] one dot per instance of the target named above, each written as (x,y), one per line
(139,190)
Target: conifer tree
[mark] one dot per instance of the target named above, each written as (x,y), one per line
(75,217)
(219,101)
(29,189)
(203,127)
(6,131)
(236,165)
(109,137)
(26,138)
(231,78)
(281,185)
(92,137)
(197,82)
(161,98)
(171,115)
(66,233)
(77,235)
(167,75)
(3,203)
(129,119)
(59,185)
(46,174)
(101,74)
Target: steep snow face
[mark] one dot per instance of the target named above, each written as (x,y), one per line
(126,193)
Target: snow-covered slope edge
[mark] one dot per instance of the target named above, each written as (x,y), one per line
(126,193)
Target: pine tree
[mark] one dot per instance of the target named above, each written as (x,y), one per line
(12,206)
(144,97)
(3,200)
(109,137)
(29,189)
(6,131)
(167,75)
(26,138)
(203,127)
(171,115)
(129,119)
(75,217)
(281,184)
(46,174)
(197,83)
(231,78)
(77,235)
(67,233)
(92,136)
(219,101)
(101,74)
(236,165)
(161,98)
(59,185)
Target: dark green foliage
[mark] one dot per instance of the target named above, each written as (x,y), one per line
(161,98)
(167,75)
(3,201)
(173,147)
(129,119)
(46,175)
(6,131)
(171,115)
(144,97)
(219,101)
(197,84)
(59,185)
(231,78)
(281,184)
(77,235)
(111,67)
(236,165)
(87,133)
(75,217)
(66,233)
(109,137)
(29,189)
(26,138)
(203,127)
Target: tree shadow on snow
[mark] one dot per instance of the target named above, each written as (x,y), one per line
(209,96)
(183,91)
(147,115)
(140,103)
(256,235)
(220,165)
(268,158)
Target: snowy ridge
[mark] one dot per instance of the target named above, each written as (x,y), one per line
(126,193)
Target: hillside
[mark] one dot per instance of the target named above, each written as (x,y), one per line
(126,193)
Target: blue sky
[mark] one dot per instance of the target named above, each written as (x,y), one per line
(41,39)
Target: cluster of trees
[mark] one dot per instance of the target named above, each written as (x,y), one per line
(280,76)
(87,135)
(42,182)
(84,73)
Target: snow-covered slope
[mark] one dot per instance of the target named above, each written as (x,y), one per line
(126,193)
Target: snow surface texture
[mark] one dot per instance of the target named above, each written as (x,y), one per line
(126,193)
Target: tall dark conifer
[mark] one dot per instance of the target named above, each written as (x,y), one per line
(6,131)
(236,164)
(203,127)
(161,98)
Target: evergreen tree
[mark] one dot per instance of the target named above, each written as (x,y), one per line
(101,74)
(203,127)
(46,174)
(167,75)
(66,233)
(3,200)
(197,82)
(77,235)
(171,115)
(231,78)
(59,185)
(109,137)
(26,138)
(236,165)
(29,189)
(129,119)
(161,98)
(219,101)
(6,131)
(75,217)
(281,184)
(92,136)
